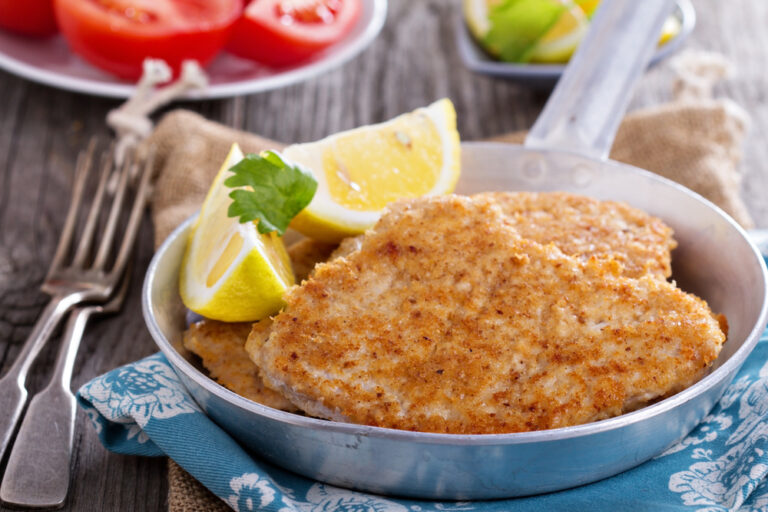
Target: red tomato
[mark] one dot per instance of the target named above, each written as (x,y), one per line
(283,32)
(28,17)
(117,35)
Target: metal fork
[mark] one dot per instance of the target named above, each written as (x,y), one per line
(37,474)
(77,281)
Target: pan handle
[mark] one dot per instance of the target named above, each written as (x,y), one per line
(584,111)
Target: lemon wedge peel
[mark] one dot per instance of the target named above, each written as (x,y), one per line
(326,218)
(561,40)
(670,30)
(230,272)
(588,6)
(476,15)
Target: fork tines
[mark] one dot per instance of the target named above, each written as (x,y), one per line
(93,252)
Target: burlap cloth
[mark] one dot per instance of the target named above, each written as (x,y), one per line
(696,142)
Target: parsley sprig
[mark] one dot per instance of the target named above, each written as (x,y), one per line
(269,190)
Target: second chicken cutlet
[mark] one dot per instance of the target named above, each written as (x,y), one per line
(447,320)
(221,347)
(584,227)
(306,253)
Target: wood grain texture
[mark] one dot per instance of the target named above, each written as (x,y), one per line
(412,63)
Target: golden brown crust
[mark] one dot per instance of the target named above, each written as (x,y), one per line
(220,345)
(446,320)
(584,227)
(347,247)
(305,254)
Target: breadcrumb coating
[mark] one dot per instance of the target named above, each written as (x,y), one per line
(447,320)
(220,345)
(584,227)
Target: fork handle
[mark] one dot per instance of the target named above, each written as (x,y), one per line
(13,393)
(37,474)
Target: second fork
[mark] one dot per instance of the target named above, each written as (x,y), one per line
(37,474)
(76,282)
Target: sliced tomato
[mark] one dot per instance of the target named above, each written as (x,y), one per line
(28,17)
(284,32)
(117,35)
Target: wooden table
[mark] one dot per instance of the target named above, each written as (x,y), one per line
(413,62)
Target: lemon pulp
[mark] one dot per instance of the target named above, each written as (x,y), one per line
(560,41)
(362,170)
(360,180)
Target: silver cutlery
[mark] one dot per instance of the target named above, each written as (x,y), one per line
(37,474)
(76,280)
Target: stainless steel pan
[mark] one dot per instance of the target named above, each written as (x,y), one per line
(566,150)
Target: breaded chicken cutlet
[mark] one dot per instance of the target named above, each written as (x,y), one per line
(221,347)
(306,253)
(447,320)
(584,227)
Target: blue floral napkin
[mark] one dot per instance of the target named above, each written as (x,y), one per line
(143,409)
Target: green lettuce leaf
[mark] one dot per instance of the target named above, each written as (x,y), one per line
(517,25)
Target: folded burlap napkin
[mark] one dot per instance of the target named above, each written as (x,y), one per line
(694,140)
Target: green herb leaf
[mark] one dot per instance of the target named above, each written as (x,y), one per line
(269,190)
(517,25)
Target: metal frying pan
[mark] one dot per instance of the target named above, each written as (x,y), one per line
(566,150)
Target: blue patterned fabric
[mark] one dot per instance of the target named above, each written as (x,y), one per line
(143,409)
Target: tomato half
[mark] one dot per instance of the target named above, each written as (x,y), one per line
(117,35)
(28,17)
(284,32)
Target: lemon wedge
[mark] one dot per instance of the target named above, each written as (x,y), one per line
(588,6)
(670,30)
(559,42)
(231,272)
(360,171)
(476,14)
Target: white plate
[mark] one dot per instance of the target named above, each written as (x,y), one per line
(49,61)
